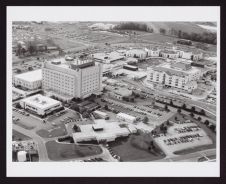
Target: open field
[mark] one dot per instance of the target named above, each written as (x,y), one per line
(24,125)
(57,131)
(59,151)
(17,136)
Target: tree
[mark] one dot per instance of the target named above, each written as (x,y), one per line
(145,120)
(106,107)
(207,122)
(184,106)
(192,114)
(166,107)
(31,47)
(199,118)
(162,31)
(30,68)
(213,127)
(18,49)
(161,127)
(176,118)
(171,102)
(179,110)
(203,112)
(193,108)
(167,123)
(18,70)
(165,130)
(18,105)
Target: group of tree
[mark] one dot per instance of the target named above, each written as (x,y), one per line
(163,128)
(184,107)
(29,47)
(134,26)
(205,37)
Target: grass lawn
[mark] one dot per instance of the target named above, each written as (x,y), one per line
(59,151)
(23,125)
(135,148)
(57,131)
(17,136)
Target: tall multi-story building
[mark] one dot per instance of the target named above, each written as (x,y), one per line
(180,75)
(66,80)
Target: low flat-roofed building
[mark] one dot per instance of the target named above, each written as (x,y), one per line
(31,80)
(101,114)
(108,57)
(153,52)
(171,54)
(40,105)
(119,92)
(107,131)
(181,66)
(197,55)
(130,67)
(126,117)
(137,53)
(112,82)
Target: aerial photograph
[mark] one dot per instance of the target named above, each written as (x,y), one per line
(120,91)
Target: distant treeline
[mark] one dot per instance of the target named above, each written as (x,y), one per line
(133,26)
(205,37)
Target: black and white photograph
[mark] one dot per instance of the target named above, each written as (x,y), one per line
(118,90)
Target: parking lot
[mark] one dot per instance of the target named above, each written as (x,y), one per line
(183,133)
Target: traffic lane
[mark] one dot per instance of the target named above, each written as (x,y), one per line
(43,156)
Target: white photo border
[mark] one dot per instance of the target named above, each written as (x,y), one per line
(108,169)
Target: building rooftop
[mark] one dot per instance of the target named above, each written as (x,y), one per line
(154,49)
(123,91)
(126,116)
(110,130)
(182,65)
(108,57)
(137,50)
(166,67)
(40,101)
(74,64)
(169,51)
(32,76)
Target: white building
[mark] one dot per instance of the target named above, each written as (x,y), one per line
(108,57)
(100,131)
(30,80)
(153,52)
(179,75)
(171,54)
(186,55)
(126,117)
(40,105)
(101,114)
(137,53)
(197,56)
(22,156)
(77,79)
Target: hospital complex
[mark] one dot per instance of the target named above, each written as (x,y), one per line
(67,79)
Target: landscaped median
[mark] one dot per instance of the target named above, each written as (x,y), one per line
(60,151)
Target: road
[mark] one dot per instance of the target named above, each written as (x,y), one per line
(139,85)
(43,155)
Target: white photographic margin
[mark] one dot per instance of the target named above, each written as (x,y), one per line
(109,169)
